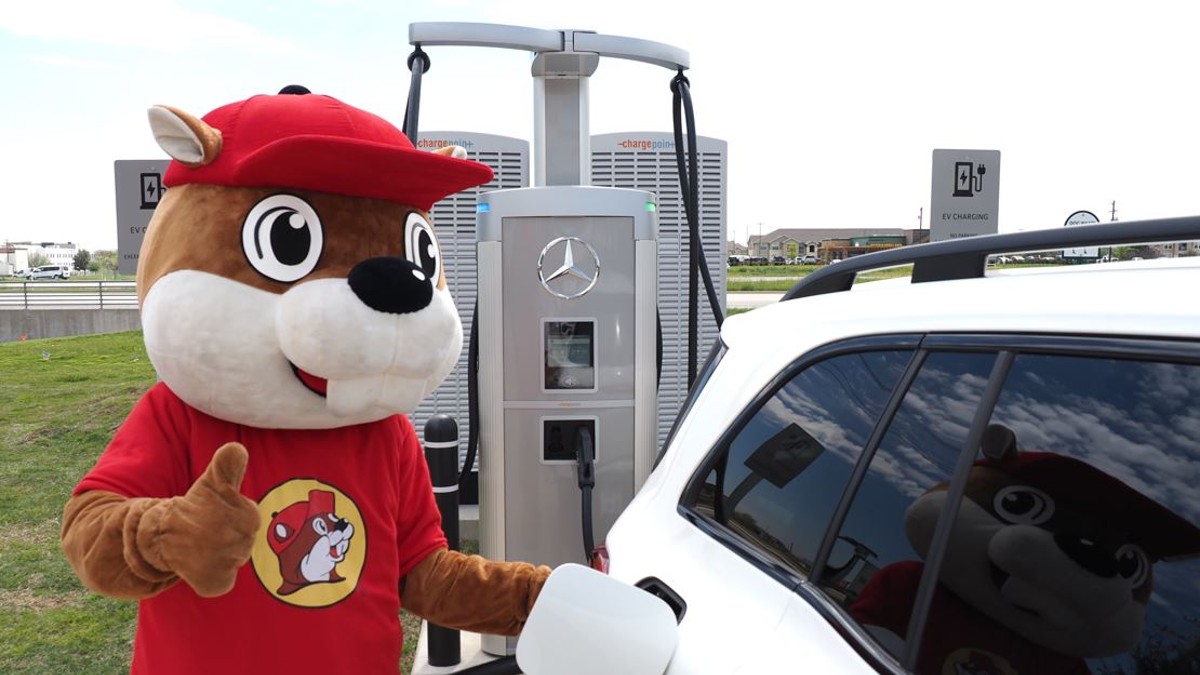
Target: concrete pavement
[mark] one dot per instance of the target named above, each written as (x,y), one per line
(751,300)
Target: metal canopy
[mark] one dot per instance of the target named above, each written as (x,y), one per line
(563,61)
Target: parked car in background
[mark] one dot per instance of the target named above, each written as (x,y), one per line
(973,470)
(50,272)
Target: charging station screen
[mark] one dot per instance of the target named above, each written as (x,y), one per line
(569,355)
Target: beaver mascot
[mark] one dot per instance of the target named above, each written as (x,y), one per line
(1049,563)
(267,502)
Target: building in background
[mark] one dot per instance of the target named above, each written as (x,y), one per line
(13,258)
(15,255)
(830,242)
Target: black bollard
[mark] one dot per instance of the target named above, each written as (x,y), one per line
(441,452)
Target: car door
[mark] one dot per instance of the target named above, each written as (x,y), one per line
(762,502)
(899,496)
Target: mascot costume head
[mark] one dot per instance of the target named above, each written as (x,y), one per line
(294,306)
(291,277)
(1049,563)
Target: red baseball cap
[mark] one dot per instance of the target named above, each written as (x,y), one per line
(315,142)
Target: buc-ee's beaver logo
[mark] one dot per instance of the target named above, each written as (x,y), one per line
(310,549)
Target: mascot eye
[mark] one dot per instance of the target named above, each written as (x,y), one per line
(1023,505)
(1132,564)
(282,237)
(420,245)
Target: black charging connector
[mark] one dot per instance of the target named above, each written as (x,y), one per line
(585,455)
(585,449)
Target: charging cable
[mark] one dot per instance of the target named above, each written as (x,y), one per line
(689,189)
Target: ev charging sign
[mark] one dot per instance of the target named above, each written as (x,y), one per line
(139,188)
(1082,218)
(965,195)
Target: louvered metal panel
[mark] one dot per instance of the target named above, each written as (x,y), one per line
(454,221)
(646,161)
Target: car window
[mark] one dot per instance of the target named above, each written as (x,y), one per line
(873,568)
(778,480)
(1074,548)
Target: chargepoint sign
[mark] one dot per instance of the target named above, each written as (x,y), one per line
(965,194)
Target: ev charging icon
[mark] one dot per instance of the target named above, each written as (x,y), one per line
(967,179)
(152,190)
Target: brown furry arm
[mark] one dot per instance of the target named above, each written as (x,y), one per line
(472,593)
(99,535)
(134,548)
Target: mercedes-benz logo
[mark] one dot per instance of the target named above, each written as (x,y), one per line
(573,277)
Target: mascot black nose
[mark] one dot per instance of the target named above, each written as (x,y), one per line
(392,285)
(1088,553)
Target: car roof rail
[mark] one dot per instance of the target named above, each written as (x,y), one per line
(966,258)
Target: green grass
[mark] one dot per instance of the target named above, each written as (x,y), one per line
(750,271)
(63,400)
(785,276)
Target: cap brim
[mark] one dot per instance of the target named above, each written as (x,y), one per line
(1157,529)
(358,168)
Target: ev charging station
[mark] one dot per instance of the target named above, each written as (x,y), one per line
(567,325)
(567,318)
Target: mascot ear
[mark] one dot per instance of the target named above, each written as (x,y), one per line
(999,443)
(186,138)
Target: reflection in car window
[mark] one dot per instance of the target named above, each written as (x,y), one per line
(873,569)
(782,475)
(1111,573)
(1074,549)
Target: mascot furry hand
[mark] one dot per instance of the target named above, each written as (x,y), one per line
(265,501)
(1049,563)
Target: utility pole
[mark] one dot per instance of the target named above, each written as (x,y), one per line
(1112,218)
(921,218)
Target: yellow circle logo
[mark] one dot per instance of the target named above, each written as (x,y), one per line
(311,547)
(970,661)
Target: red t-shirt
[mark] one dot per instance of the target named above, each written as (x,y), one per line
(316,597)
(957,637)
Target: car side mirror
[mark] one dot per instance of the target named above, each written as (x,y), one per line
(588,623)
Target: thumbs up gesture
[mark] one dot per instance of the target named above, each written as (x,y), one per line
(206,535)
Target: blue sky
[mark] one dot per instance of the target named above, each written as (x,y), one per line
(831,112)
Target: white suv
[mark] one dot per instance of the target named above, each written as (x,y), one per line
(975,470)
(50,272)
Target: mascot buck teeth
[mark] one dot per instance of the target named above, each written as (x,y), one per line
(268,487)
